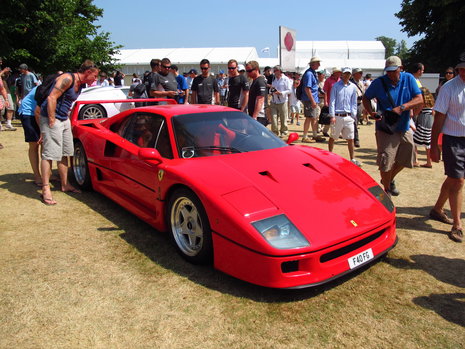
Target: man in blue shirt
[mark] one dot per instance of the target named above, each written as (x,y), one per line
(395,151)
(310,100)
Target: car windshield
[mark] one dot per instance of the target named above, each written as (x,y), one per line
(216,133)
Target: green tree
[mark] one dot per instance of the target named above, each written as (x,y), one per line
(389,45)
(51,35)
(441,25)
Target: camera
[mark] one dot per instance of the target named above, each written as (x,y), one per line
(273,90)
(378,115)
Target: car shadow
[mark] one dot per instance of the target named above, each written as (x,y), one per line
(158,248)
(448,270)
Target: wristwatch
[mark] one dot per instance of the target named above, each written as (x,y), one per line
(402,107)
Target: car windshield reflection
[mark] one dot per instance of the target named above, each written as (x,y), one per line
(216,133)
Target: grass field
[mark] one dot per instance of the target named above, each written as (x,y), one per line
(88,274)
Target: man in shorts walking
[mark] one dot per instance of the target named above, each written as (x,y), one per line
(450,120)
(343,111)
(395,151)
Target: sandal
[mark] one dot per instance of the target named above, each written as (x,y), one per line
(426,166)
(440,216)
(47,201)
(456,234)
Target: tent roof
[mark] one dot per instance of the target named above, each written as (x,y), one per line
(216,55)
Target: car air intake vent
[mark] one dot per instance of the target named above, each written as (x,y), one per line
(352,247)
(311,166)
(268,174)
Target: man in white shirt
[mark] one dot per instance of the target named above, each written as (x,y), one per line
(343,111)
(450,120)
(280,89)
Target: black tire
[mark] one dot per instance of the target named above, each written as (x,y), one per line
(92,111)
(80,167)
(189,227)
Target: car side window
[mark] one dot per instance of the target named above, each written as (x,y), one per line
(148,130)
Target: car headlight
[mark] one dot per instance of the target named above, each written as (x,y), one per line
(280,233)
(383,197)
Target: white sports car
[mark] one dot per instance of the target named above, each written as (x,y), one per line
(103,110)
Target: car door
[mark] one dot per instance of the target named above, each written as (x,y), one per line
(135,180)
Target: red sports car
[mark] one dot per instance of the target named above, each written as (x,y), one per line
(233,194)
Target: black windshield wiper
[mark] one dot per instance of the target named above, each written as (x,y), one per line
(214,147)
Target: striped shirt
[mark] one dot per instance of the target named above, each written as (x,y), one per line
(451,102)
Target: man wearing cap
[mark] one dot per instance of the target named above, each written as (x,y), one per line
(329,83)
(343,110)
(310,100)
(190,78)
(395,151)
(28,80)
(450,120)
(223,86)
(281,87)
(356,79)
(238,86)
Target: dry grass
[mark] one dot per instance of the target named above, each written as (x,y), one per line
(87,274)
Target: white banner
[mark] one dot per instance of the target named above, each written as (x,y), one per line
(287,41)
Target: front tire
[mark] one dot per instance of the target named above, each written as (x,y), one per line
(189,226)
(80,167)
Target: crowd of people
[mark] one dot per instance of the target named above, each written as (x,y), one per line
(407,115)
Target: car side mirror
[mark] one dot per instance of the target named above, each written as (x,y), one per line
(292,138)
(149,154)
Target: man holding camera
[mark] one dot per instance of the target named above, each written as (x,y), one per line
(397,93)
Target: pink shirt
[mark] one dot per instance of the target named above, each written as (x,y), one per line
(327,88)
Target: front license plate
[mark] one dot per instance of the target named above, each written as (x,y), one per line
(360,258)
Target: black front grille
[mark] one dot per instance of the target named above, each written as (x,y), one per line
(349,248)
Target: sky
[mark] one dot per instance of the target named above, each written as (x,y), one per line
(226,23)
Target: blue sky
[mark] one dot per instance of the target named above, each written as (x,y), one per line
(226,23)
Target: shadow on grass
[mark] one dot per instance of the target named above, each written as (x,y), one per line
(420,220)
(20,183)
(450,306)
(447,270)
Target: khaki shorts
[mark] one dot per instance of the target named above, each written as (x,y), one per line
(57,141)
(310,112)
(396,148)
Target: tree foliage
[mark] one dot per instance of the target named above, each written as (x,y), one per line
(51,35)
(441,25)
(393,48)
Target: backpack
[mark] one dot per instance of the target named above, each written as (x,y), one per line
(300,89)
(45,88)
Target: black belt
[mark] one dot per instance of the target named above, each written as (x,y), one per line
(343,114)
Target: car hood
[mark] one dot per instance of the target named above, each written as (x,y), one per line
(324,195)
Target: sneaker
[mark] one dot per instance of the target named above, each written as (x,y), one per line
(10,128)
(325,134)
(357,144)
(285,133)
(393,190)
(456,235)
(440,216)
(356,162)
(292,121)
(319,139)
(308,140)
(297,123)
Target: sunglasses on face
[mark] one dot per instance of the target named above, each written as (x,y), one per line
(449,72)
(250,70)
(166,66)
(232,68)
(205,68)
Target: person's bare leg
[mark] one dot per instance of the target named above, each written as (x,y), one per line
(350,145)
(331,144)
(455,200)
(63,172)
(47,198)
(33,155)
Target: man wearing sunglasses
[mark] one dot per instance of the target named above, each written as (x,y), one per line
(238,96)
(205,86)
(164,83)
(257,94)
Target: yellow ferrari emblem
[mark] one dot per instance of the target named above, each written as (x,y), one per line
(161,173)
(354,223)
